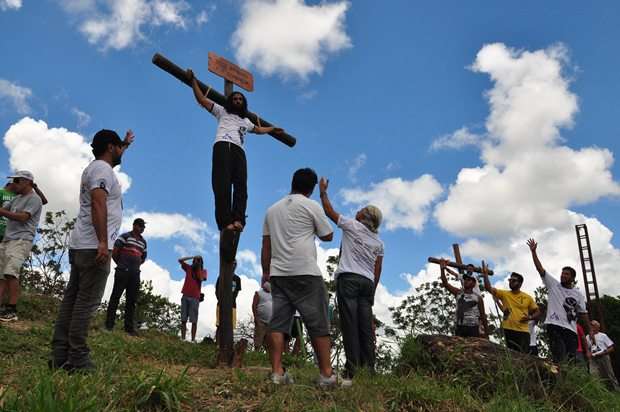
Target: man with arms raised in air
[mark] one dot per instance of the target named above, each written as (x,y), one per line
(564,305)
(357,278)
(469,305)
(195,274)
(288,259)
(520,308)
(94,234)
(229,166)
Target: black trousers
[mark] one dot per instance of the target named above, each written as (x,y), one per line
(563,343)
(229,177)
(355,295)
(129,281)
(516,340)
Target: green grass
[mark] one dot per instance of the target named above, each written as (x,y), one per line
(158,372)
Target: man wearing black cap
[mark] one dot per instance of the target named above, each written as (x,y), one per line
(95,231)
(519,308)
(129,253)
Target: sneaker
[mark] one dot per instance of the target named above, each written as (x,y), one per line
(133,333)
(330,382)
(346,382)
(87,368)
(9,316)
(284,379)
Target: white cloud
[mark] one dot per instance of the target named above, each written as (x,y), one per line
(172,226)
(457,140)
(83,118)
(248,263)
(289,37)
(16,95)
(355,165)
(118,24)
(32,145)
(405,203)
(530,178)
(10,4)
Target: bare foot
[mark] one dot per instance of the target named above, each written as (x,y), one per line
(231,227)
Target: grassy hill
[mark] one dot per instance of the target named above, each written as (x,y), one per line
(159,372)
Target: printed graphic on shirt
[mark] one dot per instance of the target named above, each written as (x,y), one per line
(570,306)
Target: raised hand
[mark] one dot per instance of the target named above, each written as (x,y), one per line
(190,74)
(323,184)
(129,137)
(532,245)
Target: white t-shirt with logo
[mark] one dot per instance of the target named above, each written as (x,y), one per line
(603,342)
(97,175)
(359,249)
(230,127)
(292,224)
(564,304)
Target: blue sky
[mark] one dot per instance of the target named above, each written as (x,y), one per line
(367,88)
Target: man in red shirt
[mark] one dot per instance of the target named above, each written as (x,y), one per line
(194,275)
(582,347)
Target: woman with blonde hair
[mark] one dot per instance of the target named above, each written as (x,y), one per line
(357,277)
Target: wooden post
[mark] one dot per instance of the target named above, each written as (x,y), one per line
(229,241)
(228,88)
(457,255)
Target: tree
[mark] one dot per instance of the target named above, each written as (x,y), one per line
(430,310)
(43,270)
(153,311)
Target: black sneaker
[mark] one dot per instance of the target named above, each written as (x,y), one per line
(133,333)
(9,316)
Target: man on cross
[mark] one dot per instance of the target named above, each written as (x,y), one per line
(229,166)
(469,305)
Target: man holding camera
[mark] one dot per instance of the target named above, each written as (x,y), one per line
(195,274)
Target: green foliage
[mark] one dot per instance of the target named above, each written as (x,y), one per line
(430,310)
(42,271)
(159,391)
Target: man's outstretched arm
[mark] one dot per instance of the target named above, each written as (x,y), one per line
(487,283)
(444,281)
(327,205)
(202,100)
(539,267)
(267,129)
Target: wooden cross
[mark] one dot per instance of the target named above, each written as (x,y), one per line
(229,240)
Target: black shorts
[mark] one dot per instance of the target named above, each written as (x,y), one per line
(467,331)
(306,294)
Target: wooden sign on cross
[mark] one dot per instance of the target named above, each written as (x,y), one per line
(231,72)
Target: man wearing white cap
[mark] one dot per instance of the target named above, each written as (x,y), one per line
(23,213)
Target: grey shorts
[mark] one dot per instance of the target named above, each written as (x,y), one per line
(306,294)
(189,309)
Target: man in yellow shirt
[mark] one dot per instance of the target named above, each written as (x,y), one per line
(519,309)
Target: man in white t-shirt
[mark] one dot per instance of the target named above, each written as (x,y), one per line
(565,304)
(229,165)
(357,278)
(288,259)
(92,238)
(600,362)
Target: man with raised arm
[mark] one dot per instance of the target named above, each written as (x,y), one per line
(469,305)
(288,259)
(357,278)
(519,307)
(229,165)
(565,305)
(195,274)
(94,234)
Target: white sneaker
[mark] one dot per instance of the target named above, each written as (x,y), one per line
(346,382)
(284,379)
(330,382)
